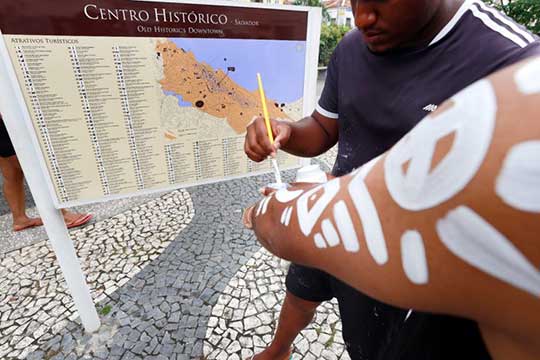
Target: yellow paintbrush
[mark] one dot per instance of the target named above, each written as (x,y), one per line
(268,128)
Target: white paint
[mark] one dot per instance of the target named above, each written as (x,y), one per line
(307,218)
(288,216)
(527,78)
(371,223)
(311,174)
(518,183)
(319,241)
(259,208)
(284,195)
(330,233)
(265,204)
(345,227)
(367,167)
(472,120)
(283,216)
(277,186)
(478,243)
(413,257)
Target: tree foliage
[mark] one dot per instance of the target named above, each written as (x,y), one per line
(525,12)
(331,35)
(314,3)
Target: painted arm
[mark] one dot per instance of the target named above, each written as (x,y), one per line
(447,221)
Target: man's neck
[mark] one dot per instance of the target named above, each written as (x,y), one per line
(444,14)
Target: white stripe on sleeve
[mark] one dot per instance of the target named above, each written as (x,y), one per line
(326,113)
(512,25)
(498,28)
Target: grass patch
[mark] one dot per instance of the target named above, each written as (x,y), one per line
(105,310)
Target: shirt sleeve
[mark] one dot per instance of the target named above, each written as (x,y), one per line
(533,49)
(328,102)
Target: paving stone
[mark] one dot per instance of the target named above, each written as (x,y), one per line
(166,268)
(260,314)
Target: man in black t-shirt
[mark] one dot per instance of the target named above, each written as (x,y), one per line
(404,59)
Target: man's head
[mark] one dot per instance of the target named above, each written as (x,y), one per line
(392,24)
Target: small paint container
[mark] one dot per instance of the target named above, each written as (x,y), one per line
(276,186)
(311,174)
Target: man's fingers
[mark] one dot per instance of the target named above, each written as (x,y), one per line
(257,144)
(263,141)
(252,147)
(253,155)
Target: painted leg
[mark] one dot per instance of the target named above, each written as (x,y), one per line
(14,193)
(295,315)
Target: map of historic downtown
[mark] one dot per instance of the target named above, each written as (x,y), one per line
(217,77)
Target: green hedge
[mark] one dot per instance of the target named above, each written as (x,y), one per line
(526,12)
(331,34)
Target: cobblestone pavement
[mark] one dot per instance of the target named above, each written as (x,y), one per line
(10,241)
(160,273)
(246,314)
(35,305)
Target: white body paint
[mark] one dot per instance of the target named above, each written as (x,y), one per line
(367,167)
(319,241)
(475,241)
(263,206)
(518,183)
(330,233)
(307,218)
(528,78)
(371,224)
(286,215)
(259,208)
(413,257)
(311,174)
(284,196)
(472,120)
(345,227)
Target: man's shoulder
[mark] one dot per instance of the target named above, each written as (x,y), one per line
(484,27)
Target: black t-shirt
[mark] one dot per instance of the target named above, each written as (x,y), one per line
(376,100)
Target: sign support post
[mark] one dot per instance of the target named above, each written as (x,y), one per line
(66,95)
(11,104)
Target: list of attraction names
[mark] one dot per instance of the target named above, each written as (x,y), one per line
(92,93)
(95,120)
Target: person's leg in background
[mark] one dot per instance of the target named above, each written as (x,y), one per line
(13,189)
(306,289)
(295,315)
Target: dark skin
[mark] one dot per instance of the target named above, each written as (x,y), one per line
(387,25)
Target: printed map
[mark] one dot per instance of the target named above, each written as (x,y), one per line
(210,85)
